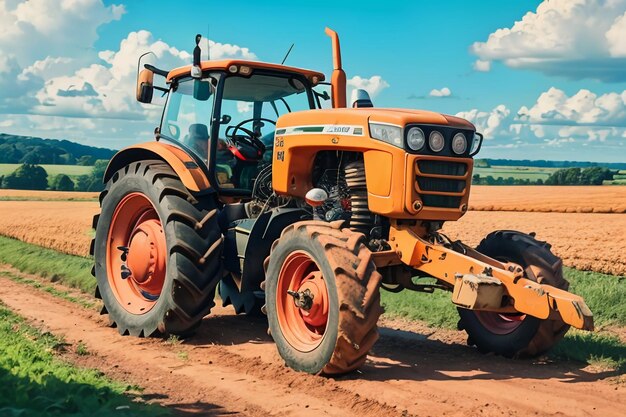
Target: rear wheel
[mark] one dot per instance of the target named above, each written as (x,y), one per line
(323,300)
(517,335)
(244,302)
(157,252)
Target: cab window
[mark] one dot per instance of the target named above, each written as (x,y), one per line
(187,117)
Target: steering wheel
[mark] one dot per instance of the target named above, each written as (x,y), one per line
(252,138)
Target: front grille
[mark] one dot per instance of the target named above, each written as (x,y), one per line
(442,167)
(434,177)
(441,201)
(440,184)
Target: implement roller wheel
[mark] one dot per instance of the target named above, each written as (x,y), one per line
(322,295)
(517,335)
(157,252)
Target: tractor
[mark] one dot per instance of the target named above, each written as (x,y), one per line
(263,187)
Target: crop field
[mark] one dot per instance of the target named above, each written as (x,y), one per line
(52,170)
(548,199)
(30,195)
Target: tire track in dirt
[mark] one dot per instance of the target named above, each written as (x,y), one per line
(232,367)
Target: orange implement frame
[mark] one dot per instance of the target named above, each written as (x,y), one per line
(526,296)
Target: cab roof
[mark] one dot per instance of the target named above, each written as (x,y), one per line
(224,64)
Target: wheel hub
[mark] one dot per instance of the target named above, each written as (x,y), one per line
(145,259)
(312,300)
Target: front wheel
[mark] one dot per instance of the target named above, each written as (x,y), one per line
(517,335)
(323,300)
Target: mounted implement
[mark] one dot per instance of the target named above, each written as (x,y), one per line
(254,188)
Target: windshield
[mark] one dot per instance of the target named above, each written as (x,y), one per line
(250,107)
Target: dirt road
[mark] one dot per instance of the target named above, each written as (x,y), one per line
(231,368)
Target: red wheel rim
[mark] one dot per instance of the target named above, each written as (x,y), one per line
(303,328)
(498,323)
(136,244)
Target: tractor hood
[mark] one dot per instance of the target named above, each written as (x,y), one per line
(363,116)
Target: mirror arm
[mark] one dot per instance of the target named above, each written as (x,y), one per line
(156,70)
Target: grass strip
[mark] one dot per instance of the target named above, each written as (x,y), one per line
(70,270)
(66,295)
(34,382)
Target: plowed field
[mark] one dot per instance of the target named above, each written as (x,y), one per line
(585,240)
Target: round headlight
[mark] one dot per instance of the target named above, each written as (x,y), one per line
(436,141)
(459,143)
(415,138)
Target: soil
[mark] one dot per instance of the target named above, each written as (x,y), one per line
(231,367)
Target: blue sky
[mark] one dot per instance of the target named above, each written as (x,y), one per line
(541,80)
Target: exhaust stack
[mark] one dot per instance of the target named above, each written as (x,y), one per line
(338,79)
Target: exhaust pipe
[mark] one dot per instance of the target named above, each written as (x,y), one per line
(338,79)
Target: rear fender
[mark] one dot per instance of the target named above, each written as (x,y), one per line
(185,167)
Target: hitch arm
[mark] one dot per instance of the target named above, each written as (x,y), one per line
(526,296)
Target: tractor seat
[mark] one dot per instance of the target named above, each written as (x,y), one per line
(198,138)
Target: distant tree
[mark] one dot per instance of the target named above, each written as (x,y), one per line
(82,183)
(33,157)
(539,182)
(1,180)
(85,160)
(62,183)
(476,179)
(490,180)
(509,181)
(27,177)
(595,175)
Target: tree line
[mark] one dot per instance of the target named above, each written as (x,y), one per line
(34,151)
(566,176)
(34,177)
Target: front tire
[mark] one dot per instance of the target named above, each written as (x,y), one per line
(517,335)
(336,332)
(157,252)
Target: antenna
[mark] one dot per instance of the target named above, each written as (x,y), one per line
(208,43)
(288,52)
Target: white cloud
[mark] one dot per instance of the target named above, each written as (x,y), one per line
(584,107)
(492,124)
(482,66)
(444,92)
(373,85)
(574,38)
(616,37)
(244,106)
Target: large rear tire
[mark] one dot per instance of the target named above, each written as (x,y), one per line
(517,335)
(336,332)
(243,302)
(157,252)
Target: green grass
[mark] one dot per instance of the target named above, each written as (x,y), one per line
(66,295)
(531,173)
(52,170)
(35,382)
(73,271)
(601,350)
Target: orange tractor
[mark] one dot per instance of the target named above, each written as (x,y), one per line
(256,190)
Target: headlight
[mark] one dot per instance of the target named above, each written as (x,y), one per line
(415,138)
(387,133)
(436,141)
(459,143)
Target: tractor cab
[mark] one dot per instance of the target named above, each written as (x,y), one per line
(224,114)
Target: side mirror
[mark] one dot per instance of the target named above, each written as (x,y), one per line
(145,86)
(225,119)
